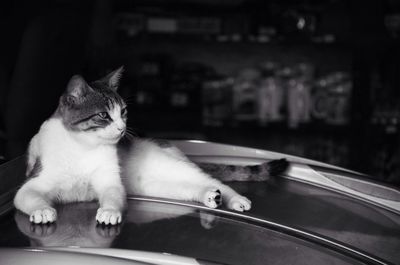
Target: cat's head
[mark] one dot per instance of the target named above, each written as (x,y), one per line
(94,111)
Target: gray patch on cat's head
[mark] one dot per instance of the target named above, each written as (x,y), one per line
(85,107)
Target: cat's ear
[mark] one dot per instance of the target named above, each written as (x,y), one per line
(77,87)
(112,79)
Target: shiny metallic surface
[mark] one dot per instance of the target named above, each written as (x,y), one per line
(297,232)
(134,255)
(48,257)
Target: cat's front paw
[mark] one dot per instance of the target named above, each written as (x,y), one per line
(212,198)
(239,203)
(43,216)
(108,216)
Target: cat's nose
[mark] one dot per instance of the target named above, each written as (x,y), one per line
(121,129)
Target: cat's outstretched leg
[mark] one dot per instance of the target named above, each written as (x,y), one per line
(168,173)
(227,195)
(210,192)
(33,200)
(210,196)
(111,195)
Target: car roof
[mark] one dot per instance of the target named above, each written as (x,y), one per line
(291,222)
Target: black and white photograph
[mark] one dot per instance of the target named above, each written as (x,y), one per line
(199,132)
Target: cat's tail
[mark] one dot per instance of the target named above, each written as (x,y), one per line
(260,172)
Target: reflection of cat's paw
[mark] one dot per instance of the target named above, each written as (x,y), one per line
(43,216)
(212,198)
(108,216)
(239,203)
(108,231)
(208,221)
(42,230)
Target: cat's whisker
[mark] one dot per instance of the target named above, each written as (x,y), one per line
(131,131)
(129,136)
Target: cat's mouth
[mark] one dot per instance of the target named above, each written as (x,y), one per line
(117,138)
(113,139)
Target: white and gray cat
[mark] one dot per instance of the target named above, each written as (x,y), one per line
(75,156)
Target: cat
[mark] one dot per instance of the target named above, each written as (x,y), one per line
(75,156)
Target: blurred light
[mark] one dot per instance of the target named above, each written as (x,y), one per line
(301,23)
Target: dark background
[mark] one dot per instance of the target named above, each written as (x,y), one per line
(210,69)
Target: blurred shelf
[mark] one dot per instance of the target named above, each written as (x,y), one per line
(245,41)
(178,121)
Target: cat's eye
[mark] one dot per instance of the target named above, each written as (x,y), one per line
(124,111)
(104,115)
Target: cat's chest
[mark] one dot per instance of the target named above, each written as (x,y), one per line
(75,173)
(71,158)
(85,163)
(81,162)
(62,154)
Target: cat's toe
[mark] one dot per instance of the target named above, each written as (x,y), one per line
(212,198)
(108,216)
(43,216)
(239,203)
